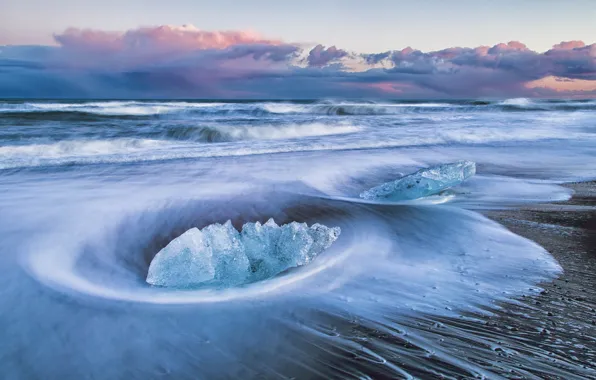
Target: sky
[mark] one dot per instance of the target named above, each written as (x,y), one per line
(374,48)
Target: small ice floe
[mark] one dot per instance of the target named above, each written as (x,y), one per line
(220,256)
(424,182)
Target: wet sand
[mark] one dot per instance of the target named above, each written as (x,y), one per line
(560,321)
(547,333)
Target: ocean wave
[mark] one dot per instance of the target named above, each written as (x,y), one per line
(184,143)
(109,108)
(78,148)
(350,108)
(519,102)
(142,109)
(225,133)
(136,108)
(176,142)
(528,105)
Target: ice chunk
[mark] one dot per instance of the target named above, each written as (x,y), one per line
(185,262)
(220,256)
(230,261)
(323,237)
(272,249)
(294,245)
(260,242)
(424,182)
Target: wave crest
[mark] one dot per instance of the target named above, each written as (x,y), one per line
(225,133)
(79,148)
(167,109)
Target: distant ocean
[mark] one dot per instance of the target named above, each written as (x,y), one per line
(91,190)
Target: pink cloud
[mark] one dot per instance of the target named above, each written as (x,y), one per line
(158,38)
(187,61)
(481,50)
(186,49)
(319,56)
(509,46)
(562,85)
(89,39)
(391,88)
(568,45)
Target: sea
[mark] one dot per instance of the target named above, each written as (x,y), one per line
(91,190)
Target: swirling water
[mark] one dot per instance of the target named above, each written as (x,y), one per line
(91,190)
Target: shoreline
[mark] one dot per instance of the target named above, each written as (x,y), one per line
(564,313)
(547,333)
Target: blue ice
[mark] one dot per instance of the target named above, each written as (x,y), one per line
(424,182)
(220,256)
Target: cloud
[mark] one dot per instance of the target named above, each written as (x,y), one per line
(160,38)
(498,70)
(573,62)
(552,83)
(508,47)
(185,62)
(569,45)
(319,56)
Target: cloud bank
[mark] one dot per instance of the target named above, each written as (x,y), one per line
(187,62)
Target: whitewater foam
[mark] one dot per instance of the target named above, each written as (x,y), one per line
(519,102)
(80,148)
(242,142)
(111,108)
(222,133)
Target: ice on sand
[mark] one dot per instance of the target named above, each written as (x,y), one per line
(220,256)
(424,182)
(185,262)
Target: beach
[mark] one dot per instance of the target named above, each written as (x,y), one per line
(491,278)
(561,319)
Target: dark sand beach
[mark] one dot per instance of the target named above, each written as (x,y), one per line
(547,333)
(560,321)
(551,332)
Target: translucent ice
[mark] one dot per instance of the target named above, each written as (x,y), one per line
(424,182)
(230,261)
(220,256)
(260,245)
(323,237)
(186,261)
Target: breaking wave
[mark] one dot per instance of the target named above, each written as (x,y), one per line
(146,109)
(347,108)
(223,133)
(519,102)
(227,140)
(80,148)
(525,104)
